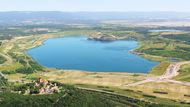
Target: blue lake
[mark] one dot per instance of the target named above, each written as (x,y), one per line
(79,53)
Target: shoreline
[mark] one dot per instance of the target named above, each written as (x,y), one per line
(132,51)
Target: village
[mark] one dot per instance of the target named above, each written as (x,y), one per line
(42,86)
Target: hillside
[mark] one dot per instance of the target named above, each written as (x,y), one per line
(74,97)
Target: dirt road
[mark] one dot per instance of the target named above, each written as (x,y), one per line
(171,72)
(173,69)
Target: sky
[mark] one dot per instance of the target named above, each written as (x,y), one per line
(95,5)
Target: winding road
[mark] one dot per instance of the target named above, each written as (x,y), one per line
(171,72)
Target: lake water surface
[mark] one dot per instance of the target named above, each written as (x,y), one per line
(79,53)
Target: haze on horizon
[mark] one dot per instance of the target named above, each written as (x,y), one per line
(95,6)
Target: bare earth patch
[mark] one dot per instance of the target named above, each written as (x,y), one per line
(100,78)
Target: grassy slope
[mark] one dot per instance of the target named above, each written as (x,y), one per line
(168,46)
(160,69)
(165,47)
(184,73)
(74,97)
(14,66)
(174,91)
(135,92)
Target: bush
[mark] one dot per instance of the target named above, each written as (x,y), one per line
(3,81)
(2,59)
(150,96)
(25,70)
(159,92)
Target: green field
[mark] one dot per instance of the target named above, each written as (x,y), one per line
(184,73)
(160,69)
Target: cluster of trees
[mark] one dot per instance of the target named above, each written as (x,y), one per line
(34,67)
(2,59)
(167,53)
(23,88)
(23,70)
(3,81)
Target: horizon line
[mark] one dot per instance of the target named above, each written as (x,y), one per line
(91,11)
